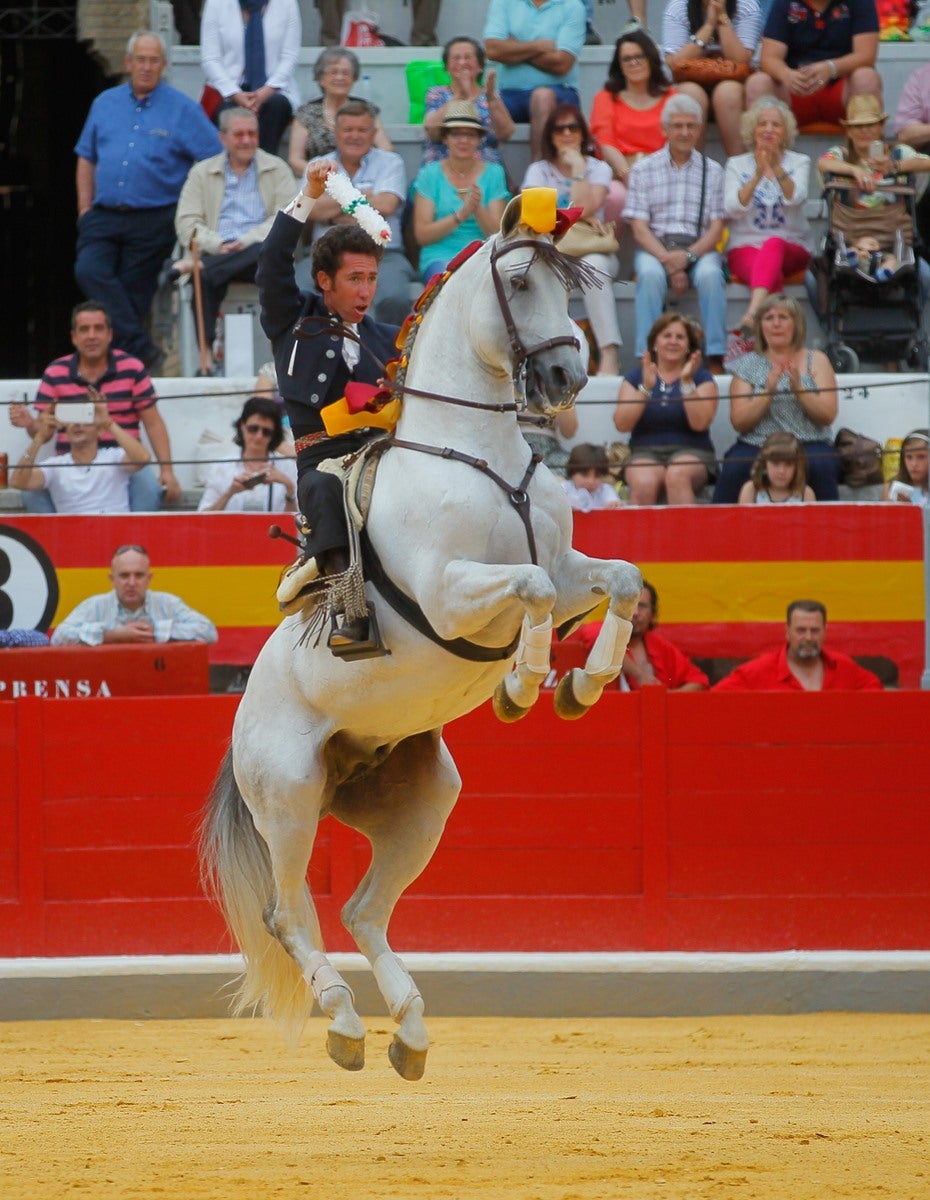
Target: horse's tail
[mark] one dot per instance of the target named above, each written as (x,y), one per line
(235,869)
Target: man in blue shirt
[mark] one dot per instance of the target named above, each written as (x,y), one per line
(537,43)
(138,143)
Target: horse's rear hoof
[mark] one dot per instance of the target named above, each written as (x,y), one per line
(564,701)
(346,1052)
(408,1063)
(504,708)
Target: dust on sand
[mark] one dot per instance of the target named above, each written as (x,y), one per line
(800,1108)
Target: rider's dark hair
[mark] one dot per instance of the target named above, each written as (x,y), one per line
(342,239)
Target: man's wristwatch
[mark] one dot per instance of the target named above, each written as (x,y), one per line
(697,41)
(692,257)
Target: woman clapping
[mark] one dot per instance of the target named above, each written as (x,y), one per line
(460,197)
(765,192)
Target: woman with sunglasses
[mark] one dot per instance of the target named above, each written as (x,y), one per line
(581,180)
(626,115)
(259,480)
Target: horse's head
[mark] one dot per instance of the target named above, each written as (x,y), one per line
(532,279)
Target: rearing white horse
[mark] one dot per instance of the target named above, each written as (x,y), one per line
(481,546)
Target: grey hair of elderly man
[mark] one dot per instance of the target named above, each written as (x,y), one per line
(681,105)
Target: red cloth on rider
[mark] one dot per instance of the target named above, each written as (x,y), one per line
(362,395)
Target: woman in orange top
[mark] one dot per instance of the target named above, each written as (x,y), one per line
(626,116)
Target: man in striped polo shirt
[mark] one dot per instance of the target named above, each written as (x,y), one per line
(123,383)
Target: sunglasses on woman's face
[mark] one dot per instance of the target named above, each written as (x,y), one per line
(632,60)
(569,127)
(264,430)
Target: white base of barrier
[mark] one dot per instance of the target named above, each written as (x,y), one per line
(518,985)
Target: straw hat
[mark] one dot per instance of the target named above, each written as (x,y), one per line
(864,110)
(461,114)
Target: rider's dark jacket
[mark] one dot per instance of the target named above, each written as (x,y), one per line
(312,372)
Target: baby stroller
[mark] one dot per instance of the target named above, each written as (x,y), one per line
(869,300)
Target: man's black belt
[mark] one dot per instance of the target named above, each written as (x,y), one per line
(128,208)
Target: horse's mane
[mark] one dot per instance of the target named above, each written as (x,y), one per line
(572,273)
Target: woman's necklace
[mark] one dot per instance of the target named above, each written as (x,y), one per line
(665,389)
(466,178)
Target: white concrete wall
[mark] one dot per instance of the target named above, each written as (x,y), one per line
(199,413)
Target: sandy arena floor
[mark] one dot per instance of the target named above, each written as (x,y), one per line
(798,1108)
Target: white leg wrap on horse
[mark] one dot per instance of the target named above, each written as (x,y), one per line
(535,646)
(606,657)
(395,983)
(322,976)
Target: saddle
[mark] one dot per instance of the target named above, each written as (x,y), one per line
(302,588)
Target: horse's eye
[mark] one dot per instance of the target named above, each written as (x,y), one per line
(519,282)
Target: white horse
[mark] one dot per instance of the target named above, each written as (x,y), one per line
(482,546)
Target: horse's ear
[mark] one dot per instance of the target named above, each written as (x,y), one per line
(511,218)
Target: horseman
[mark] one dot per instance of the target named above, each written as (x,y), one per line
(321,343)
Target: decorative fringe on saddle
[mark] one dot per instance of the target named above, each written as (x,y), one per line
(326,597)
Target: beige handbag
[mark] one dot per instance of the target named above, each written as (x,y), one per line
(588,235)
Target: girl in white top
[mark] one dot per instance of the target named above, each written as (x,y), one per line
(779,474)
(910,484)
(259,480)
(586,486)
(764,192)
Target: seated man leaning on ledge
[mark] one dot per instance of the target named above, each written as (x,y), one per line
(802,664)
(131,614)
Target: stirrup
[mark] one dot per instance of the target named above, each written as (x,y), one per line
(372,647)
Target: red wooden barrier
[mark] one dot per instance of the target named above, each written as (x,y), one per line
(690,822)
(80,672)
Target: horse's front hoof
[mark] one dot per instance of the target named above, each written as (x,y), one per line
(565,703)
(407,1062)
(504,708)
(346,1052)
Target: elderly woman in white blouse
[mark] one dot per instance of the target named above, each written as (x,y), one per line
(765,191)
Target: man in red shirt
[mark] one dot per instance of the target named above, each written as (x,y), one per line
(802,664)
(650,658)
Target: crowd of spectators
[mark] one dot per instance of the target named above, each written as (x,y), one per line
(633,160)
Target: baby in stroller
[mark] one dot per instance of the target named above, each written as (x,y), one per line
(871,242)
(867,256)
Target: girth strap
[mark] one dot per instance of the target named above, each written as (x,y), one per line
(518,496)
(406,607)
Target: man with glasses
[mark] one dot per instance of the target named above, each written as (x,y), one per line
(537,43)
(675,208)
(132,614)
(322,343)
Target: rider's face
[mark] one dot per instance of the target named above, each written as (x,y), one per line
(350,291)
